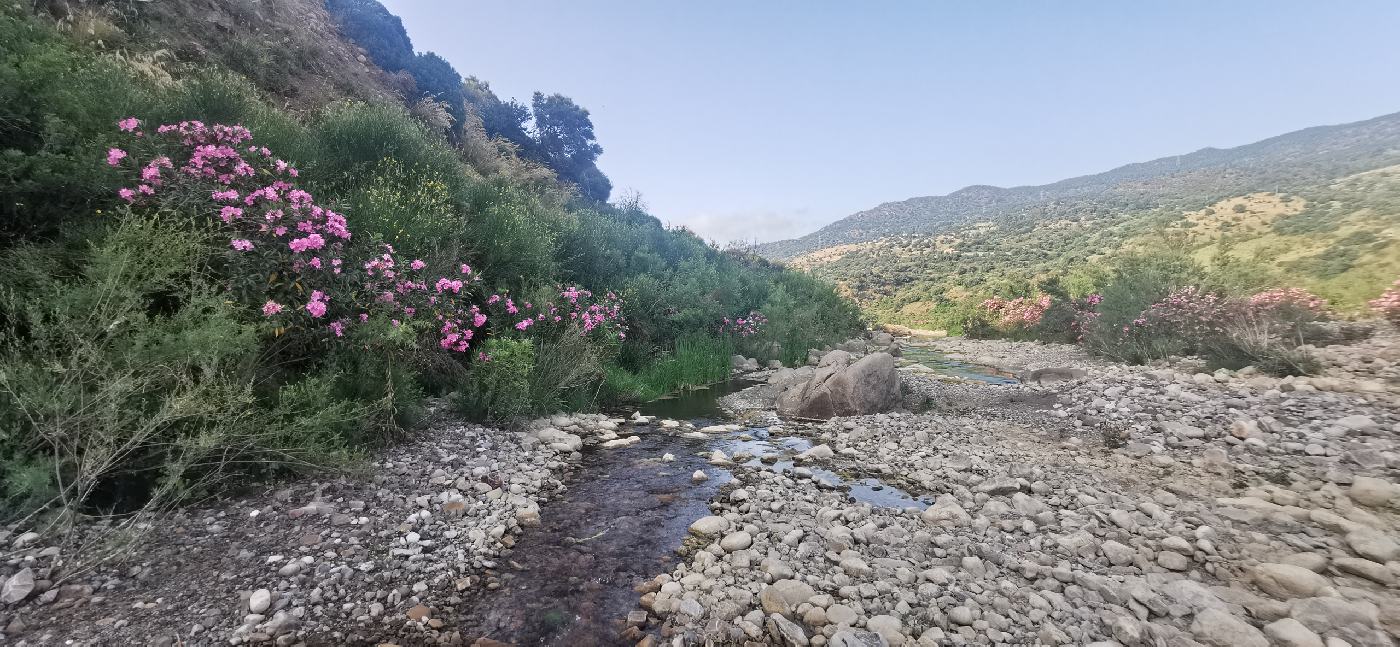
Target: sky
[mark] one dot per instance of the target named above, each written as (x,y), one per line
(766,120)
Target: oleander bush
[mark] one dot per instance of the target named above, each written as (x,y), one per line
(198,284)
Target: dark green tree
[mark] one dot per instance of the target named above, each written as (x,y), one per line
(564,135)
(372,27)
(438,79)
(505,119)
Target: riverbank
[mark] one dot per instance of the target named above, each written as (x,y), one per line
(1127,505)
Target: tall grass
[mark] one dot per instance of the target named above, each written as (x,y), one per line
(696,360)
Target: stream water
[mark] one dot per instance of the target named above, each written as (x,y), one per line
(626,512)
(947,366)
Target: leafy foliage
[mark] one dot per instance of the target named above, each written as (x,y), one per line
(156,340)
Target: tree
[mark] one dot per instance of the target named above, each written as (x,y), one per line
(372,27)
(565,140)
(508,120)
(437,79)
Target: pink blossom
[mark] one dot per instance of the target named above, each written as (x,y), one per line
(115,156)
(130,124)
(271,308)
(338,328)
(524,323)
(316,308)
(127,194)
(229,214)
(242,244)
(313,241)
(479,320)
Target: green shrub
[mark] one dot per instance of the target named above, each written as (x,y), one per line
(696,360)
(129,369)
(58,106)
(408,207)
(498,389)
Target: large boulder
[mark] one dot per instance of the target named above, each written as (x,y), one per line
(842,387)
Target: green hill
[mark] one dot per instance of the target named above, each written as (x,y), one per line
(1316,208)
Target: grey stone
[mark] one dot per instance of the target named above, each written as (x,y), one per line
(786,631)
(784,596)
(17,587)
(709,526)
(260,601)
(1373,545)
(869,385)
(1220,629)
(736,541)
(1286,581)
(1291,633)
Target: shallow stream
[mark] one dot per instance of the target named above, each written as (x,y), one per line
(626,512)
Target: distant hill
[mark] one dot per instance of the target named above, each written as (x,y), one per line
(1317,208)
(1191,181)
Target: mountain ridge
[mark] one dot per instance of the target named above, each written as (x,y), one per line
(1190,180)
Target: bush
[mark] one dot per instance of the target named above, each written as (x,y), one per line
(696,360)
(129,374)
(498,387)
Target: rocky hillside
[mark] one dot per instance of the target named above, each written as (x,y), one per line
(1301,158)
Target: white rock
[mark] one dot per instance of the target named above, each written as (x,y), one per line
(260,601)
(709,526)
(1291,633)
(18,587)
(736,541)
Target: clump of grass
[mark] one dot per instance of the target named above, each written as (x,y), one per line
(697,360)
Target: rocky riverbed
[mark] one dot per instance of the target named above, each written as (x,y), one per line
(1154,505)
(1132,506)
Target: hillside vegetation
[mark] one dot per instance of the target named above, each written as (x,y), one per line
(1316,209)
(237,242)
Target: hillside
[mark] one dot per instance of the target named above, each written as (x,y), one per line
(290,239)
(1302,158)
(1317,208)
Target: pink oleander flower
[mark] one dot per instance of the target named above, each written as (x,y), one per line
(316,308)
(479,320)
(242,245)
(312,241)
(466,269)
(115,156)
(130,124)
(271,308)
(417,264)
(127,194)
(524,323)
(229,214)
(338,328)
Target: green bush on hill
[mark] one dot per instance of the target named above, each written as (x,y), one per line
(134,357)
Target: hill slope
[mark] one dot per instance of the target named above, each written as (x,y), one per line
(1317,208)
(1193,181)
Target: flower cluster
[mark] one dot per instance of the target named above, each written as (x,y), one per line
(290,248)
(1286,299)
(746,326)
(1022,312)
(1387,305)
(1189,311)
(294,243)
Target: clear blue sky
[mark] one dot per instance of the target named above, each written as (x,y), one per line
(770,119)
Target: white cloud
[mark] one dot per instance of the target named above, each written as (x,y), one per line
(764,225)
